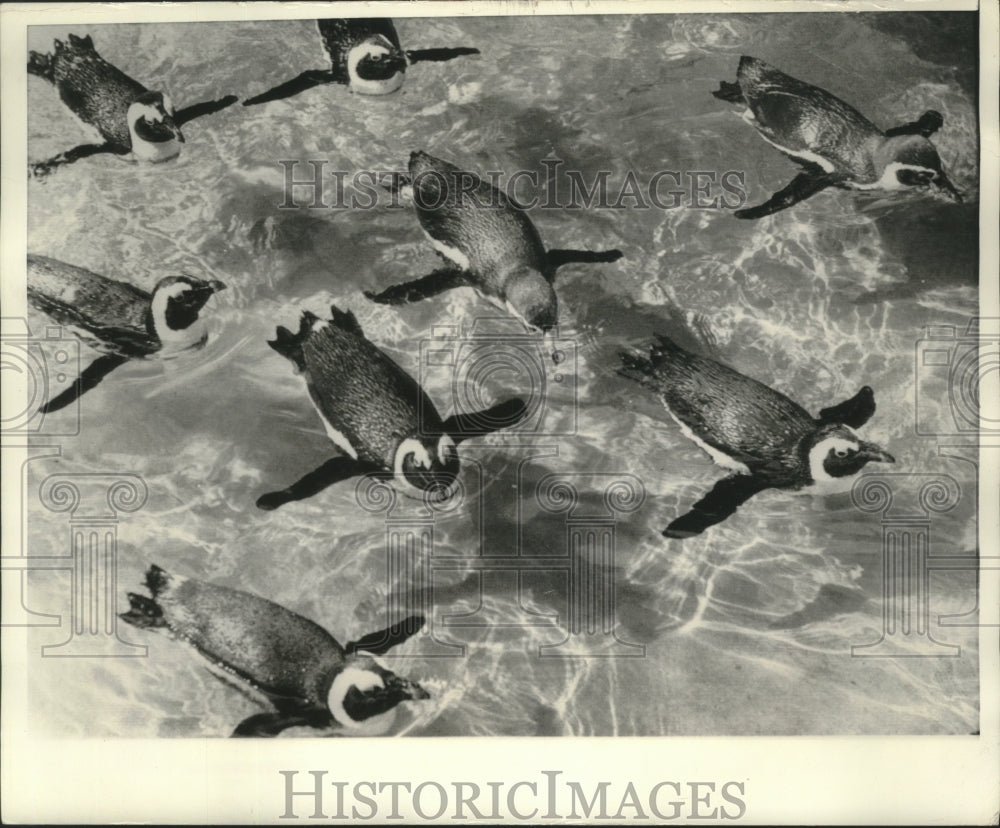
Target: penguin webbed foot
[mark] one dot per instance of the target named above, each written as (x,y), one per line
(927,124)
(382,641)
(729,91)
(480,423)
(558,258)
(332,471)
(800,188)
(438,55)
(425,287)
(720,503)
(297,85)
(272,723)
(89,378)
(854,412)
(189,113)
(143,612)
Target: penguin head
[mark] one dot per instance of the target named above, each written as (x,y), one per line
(375,67)
(531,297)
(912,161)
(364,694)
(155,135)
(175,307)
(837,453)
(429,466)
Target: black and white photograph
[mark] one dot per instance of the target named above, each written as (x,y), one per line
(525,372)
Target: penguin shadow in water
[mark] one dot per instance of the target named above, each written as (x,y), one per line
(279,657)
(938,244)
(311,249)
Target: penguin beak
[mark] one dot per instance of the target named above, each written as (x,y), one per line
(876,454)
(943,184)
(216,285)
(409,689)
(175,130)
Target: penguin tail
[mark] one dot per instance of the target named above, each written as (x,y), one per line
(289,345)
(84,42)
(41,65)
(729,91)
(664,345)
(143,612)
(635,368)
(345,320)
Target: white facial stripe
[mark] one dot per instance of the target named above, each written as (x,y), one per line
(371,48)
(889,181)
(446,448)
(451,253)
(171,339)
(805,155)
(420,458)
(717,456)
(819,452)
(168,104)
(142,149)
(350,677)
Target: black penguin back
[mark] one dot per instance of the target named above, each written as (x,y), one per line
(461,210)
(278,651)
(97,92)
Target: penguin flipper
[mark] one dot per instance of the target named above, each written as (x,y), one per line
(722,501)
(804,185)
(271,724)
(557,258)
(332,471)
(382,641)
(189,113)
(503,415)
(307,80)
(729,91)
(40,169)
(432,284)
(417,55)
(89,377)
(927,124)
(854,412)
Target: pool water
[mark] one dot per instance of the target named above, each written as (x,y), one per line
(746,629)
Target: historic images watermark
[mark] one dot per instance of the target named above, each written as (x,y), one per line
(955,370)
(33,364)
(311,184)
(584,508)
(312,795)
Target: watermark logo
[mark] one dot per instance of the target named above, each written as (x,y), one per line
(32,365)
(94,503)
(312,184)
(547,795)
(954,371)
(498,357)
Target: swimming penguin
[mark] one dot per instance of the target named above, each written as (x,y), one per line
(770,441)
(129,117)
(116,318)
(365,55)
(487,241)
(283,658)
(834,144)
(376,413)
